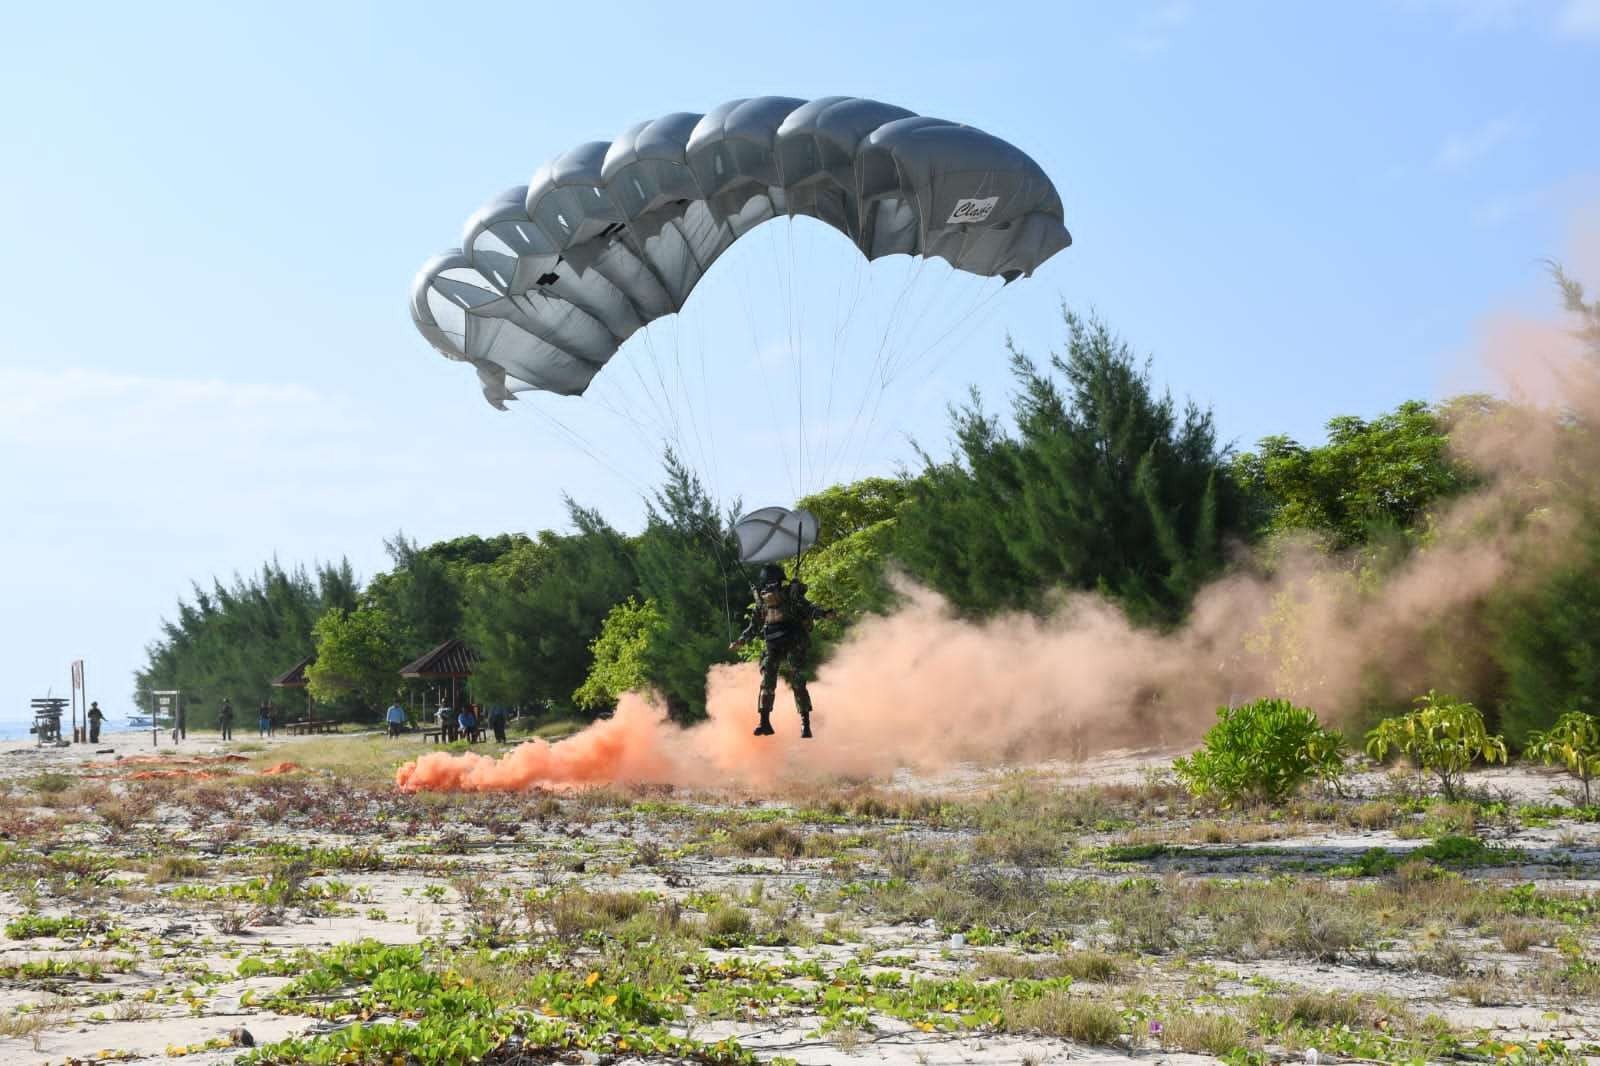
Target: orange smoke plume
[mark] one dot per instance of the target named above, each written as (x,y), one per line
(922,687)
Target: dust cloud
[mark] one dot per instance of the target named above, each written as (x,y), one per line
(923,688)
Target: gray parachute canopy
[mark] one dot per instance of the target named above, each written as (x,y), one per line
(553,276)
(775,533)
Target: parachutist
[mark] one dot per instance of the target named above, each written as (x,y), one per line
(783,616)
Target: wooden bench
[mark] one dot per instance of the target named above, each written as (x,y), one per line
(437,735)
(300,727)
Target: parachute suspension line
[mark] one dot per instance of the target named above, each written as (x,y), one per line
(876,370)
(689,406)
(797,356)
(867,437)
(766,385)
(711,422)
(900,358)
(646,442)
(840,331)
(980,311)
(578,441)
(666,392)
(786,289)
(662,421)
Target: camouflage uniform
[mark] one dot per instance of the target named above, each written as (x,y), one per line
(783,617)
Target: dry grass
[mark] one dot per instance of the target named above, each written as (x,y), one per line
(134,1010)
(777,839)
(573,912)
(168,868)
(1280,918)
(1518,935)
(1094,966)
(1214,1034)
(1215,832)
(31,1024)
(1481,991)
(1066,1017)
(1321,1010)
(1374,814)
(727,920)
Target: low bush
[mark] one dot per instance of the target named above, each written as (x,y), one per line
(1573,743)
(1444,736)
(1263,750)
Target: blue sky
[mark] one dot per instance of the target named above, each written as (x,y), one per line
(209,216)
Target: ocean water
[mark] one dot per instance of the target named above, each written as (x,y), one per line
(17,728)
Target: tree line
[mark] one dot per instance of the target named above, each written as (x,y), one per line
(1096,481)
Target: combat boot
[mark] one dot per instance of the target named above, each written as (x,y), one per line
(764,708)
(805,725)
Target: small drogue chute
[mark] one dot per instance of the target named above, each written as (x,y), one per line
(772,534)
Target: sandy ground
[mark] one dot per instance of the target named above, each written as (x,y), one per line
(179,989)
(114,745)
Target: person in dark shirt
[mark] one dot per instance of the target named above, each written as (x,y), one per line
(96,716)
(225,718)
(783,618)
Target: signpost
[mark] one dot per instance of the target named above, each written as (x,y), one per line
(47,719)
(80,700)
(165,704)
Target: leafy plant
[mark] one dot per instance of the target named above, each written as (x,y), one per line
(618,652)
(1444,736)
(30,926)
(1573,743)
(1263,750)
(358,653)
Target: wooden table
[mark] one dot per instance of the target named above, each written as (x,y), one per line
(300,727)
(437,735)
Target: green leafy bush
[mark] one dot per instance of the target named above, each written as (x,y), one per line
(1444,736)
(1573,743)
(1263,750)
(619,654)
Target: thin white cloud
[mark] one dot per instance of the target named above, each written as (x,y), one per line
(1478,16)
(1579,19)
(76,406)
(1462,150)
(1573,19)
(1155,27)
(1499,210)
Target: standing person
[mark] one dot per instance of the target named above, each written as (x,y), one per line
(96,716)
(225,718)
(396,717)
(264,719)
(447,722)
(468,721)
(783,617)
(497,722)
(180,722)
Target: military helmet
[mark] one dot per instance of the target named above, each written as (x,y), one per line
(771,574)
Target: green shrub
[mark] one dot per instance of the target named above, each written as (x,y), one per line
(1573,743)
(1444,736)
(1264,750)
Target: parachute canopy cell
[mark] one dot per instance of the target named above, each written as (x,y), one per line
(553,276)
(774,533)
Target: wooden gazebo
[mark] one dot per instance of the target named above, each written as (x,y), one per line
(295,677)
(450,661)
